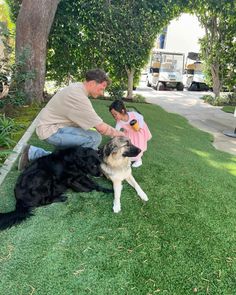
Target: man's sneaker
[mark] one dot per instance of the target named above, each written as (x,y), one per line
(24,159)
(137,164)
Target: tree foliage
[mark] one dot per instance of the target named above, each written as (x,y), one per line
(118,36)
(218,45)
(114,35)
(14,8)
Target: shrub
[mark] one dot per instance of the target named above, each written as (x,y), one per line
(232,98)
(224,99)
(116,90)
(139,98)
(7,126)
(3,155)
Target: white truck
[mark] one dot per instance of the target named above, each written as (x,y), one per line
(193,78)
(165,70)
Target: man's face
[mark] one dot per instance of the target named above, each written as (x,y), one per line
(97,89)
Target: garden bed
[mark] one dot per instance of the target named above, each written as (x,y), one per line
(16,120)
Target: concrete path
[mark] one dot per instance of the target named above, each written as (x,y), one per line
(199,114)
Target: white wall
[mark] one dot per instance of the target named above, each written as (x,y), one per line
(183,34)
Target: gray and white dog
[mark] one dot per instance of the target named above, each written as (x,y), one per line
(116,166)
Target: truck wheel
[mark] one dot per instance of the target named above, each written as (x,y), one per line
(160,86)
(193,87)
(147,83)
(204,87)
(180,87)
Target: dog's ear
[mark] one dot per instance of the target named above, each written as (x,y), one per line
(94,155)
(109,149)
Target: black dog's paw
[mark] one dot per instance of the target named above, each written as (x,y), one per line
(61,198)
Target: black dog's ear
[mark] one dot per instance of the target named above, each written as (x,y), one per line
(93,154)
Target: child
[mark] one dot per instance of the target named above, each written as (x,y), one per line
(138,133)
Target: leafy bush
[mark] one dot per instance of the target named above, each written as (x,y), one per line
(116,90)
(16,75)
(139,98)
(3,155)
(225,99)
(232,98)
(7,126)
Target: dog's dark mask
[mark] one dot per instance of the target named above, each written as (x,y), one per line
(132,151)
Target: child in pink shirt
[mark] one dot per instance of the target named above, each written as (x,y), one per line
(139,133)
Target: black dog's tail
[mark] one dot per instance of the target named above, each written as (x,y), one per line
(14,217)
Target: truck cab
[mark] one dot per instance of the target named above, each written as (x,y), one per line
(165,70)
(193,78)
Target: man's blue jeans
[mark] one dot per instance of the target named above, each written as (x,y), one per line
(68,137)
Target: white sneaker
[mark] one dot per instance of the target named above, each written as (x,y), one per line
(137,164)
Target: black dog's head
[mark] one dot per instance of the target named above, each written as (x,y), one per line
(80,160)
(93,162)
(120,145)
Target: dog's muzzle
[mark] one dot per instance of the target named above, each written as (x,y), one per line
(132,151)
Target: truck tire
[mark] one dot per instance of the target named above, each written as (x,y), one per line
(180,87)
(193,87)
(160,86)
(147,83)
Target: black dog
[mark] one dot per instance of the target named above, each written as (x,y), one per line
(46,179)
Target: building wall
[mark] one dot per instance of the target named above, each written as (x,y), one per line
(183,34)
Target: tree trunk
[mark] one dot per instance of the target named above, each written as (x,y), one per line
(33,25)
(216,79)
(130,73)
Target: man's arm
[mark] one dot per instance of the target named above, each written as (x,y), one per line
(106,129)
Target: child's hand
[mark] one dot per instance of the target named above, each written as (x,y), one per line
(124,130)
(122,133)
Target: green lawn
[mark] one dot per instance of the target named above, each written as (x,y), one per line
(183,241)
(228,109)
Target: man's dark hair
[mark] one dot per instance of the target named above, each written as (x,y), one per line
(97,75)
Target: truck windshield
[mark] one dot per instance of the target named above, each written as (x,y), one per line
(171,63)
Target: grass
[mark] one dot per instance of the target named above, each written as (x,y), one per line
(183,241)
(228,109)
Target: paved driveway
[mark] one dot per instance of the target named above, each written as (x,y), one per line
(199,114)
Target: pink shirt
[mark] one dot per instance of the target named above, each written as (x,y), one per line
(138,138)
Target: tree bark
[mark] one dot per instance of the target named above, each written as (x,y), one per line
(33,25)
(216,79)
(130,73)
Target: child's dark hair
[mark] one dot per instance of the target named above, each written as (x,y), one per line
(118,106)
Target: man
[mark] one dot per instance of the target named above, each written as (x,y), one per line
(69,118)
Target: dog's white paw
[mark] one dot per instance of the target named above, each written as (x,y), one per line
(144,197)
(116,208)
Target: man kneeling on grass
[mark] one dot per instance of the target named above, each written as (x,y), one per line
(69,118)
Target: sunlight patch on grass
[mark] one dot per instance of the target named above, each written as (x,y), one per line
(200,153)
(229,167)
